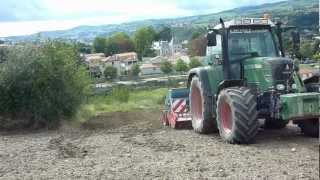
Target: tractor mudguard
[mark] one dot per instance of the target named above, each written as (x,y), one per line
(229,83)
(202,74)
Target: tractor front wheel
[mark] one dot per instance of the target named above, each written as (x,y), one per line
(237,115)
(201,108)
(310,127)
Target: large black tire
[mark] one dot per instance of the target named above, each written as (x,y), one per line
(271,123)
(310,127)
(237,115)
(201,108)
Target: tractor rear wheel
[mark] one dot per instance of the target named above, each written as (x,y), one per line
(310,127)
(201,108)
(237,115)
(272,123)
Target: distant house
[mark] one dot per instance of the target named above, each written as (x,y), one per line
(123,62)
(150,69)
(98,62)
(151,66)
(95,63)
(93,59)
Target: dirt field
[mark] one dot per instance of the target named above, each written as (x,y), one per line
(136,146)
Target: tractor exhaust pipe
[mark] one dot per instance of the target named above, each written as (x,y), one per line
(225,52)
(279,35)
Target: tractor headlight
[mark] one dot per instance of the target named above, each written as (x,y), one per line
(280,87)
(294,86)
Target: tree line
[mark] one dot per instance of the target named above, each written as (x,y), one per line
(140,42)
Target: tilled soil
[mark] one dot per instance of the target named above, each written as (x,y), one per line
(136,146)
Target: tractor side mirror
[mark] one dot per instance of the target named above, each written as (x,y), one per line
(211,38)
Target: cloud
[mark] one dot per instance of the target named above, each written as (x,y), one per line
(17,10)
(214,6)
(30,16)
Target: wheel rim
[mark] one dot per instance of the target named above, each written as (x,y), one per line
(226,117)
(196,103)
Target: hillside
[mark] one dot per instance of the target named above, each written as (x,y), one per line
(300,13)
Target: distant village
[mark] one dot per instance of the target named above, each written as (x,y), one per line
(149,66)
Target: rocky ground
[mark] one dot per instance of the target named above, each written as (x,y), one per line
(136,146)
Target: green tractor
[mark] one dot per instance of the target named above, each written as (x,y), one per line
(247,77)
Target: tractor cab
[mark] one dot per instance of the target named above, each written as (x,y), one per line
(236,41)
(251,50)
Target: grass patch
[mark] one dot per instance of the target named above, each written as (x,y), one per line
(122,100)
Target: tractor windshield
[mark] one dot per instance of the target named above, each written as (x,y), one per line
(245,43)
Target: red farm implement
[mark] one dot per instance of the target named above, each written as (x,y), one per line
(176,113)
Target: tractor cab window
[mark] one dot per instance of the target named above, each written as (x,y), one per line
(250,43)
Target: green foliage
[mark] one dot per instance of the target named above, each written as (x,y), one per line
(143,39)
(99,44)
(135,70)
(138,100)
(149,53)
(194,62)
(118,43)
(83,48)
(306,50)
(188,32)
(3,54)
(195,35)
(316,57)
(197,46)
(120,94)
(42,84)
(165,34)
(110,73)
(166,67)
(181,66)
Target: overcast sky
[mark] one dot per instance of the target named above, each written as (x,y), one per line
(18,17)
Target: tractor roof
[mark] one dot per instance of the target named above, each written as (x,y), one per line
(246,22)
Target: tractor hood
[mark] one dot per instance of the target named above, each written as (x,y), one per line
(266,72)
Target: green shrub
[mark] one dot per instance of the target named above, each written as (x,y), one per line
(166,67)
(42,84)
(181,66)
(135,70)
(120,93)
(161,99)
(194,62)
(110,73)
(316,57)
